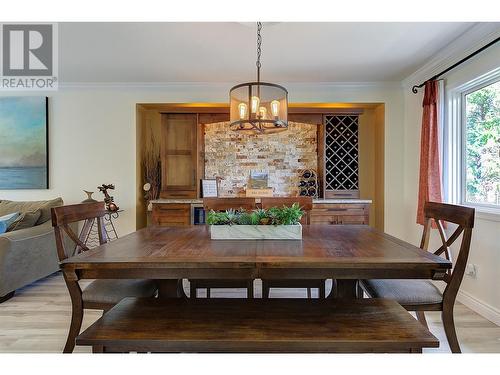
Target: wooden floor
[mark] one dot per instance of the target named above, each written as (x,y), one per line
(37,319)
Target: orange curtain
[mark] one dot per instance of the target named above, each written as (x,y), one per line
(429,187)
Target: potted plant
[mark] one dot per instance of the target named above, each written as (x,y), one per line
(276,223)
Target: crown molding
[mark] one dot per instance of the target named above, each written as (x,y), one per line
(221,85)
(470,41)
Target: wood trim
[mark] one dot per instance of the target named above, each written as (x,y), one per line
(223,108)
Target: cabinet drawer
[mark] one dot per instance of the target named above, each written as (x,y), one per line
(171,214)
(178,194)
(346,220)
(339,219)
(323,219)
(337,211)
(339,206)
(172,209)
(171,222)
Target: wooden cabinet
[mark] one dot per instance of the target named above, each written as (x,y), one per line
(179,156)
(171,214)
(338,214)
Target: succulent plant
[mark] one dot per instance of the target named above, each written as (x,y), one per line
(272,216)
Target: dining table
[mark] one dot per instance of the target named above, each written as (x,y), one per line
(168,255)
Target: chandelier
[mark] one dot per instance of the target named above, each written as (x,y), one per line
(258,107)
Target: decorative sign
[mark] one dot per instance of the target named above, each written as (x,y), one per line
(209,188)
(259,193)
(258,180)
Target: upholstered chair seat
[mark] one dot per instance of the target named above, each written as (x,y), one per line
(113,291)
(405,292)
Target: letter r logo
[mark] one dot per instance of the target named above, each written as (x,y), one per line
(27,50)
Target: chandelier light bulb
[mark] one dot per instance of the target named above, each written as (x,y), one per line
(242,110)
(255,104)
(263,113)
(275,108)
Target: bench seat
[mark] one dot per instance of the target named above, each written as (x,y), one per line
(257,325)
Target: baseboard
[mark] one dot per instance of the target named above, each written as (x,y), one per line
(483,309)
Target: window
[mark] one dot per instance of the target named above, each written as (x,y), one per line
(481,154)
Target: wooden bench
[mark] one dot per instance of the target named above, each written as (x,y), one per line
(275,325)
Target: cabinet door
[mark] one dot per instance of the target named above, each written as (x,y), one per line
(179,155)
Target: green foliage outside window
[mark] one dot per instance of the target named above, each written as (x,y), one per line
(483,145)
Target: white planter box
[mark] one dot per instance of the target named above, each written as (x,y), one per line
(256,232)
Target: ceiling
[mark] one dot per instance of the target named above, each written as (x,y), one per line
(226,52)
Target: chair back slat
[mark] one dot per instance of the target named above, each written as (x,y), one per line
(464,218)
(444,240)
(64,215)
(74,213)
(305,203)
(222,204)
(460,215)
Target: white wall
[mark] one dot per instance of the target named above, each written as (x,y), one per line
(92,137)
(481,293)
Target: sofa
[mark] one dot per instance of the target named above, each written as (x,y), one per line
(29,253)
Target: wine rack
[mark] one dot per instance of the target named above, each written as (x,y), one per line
(341,156)
(308,185)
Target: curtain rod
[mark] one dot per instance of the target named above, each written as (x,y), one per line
(415,88)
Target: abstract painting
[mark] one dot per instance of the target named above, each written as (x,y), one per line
(24,143)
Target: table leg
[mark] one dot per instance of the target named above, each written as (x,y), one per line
(171,288)
(344,289)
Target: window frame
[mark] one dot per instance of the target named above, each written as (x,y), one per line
(455,143)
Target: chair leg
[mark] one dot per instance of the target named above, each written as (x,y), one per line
(76,315)
(74,330)
(250,289)
(421,318)
(449,329)
(309,293)
(208,292)
(265,289)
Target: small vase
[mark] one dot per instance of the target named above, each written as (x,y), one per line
(89,197)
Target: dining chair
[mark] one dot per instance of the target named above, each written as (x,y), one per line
(100,294)
(423,295)
(306,204)
(223,204)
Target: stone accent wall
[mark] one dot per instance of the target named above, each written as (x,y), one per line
(232,155)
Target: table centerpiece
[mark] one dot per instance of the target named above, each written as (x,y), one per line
(276,223)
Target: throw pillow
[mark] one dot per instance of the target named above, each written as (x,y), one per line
(7,207)
(6,220)
(45,210)
(25,220)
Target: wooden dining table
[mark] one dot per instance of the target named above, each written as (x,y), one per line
(169,254)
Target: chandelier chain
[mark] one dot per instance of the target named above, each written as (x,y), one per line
(259,49)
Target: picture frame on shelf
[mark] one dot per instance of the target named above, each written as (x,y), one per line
(209,188)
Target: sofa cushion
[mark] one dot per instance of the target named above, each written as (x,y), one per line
(7,220)
(7,207)
(25,220)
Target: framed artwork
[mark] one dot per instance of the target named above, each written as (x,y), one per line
(24,142)
(209,188)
